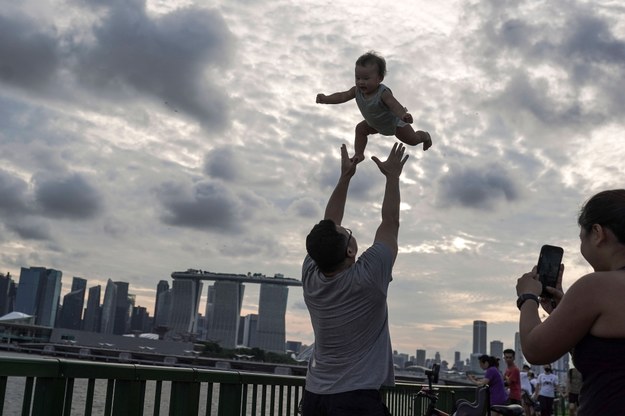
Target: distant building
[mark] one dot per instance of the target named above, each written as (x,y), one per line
(420,358)
(93,312)
(271,317)
(139,319)
(496,350)
(73,303)
(294,346)
(250,330)
(8,289)
(161,288)
(38,294)
(225,309)
(163,309)
(122,309)
(519,358)
(184,307)
(479,337)
(109,307)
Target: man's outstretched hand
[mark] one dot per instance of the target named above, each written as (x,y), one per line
(348,165)
(395,161)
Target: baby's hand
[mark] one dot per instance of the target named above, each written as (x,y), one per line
(321,98)
(407,118)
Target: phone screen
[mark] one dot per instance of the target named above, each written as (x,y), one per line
(549,265)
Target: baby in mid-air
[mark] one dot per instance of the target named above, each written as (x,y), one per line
(382,112)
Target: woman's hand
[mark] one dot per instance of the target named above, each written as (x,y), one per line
(528,283)
(550,303)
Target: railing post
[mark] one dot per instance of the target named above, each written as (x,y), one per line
(129,397)
(185,398)
(49,396)
(229,399)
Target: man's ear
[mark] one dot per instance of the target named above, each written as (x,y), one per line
(350,252)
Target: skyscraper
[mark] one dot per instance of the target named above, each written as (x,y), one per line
(38,294)
(271,317)
(163,311)
(7,294)
(28,290)
(109,304)
(225,309)
(184,306)
(161,287)
(420,358)
(73,303)
(50,295)
(122,309)
(93,312)
(496,350)
(479,337)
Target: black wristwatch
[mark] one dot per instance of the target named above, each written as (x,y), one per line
(525,296)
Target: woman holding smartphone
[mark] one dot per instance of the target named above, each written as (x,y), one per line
(589,321)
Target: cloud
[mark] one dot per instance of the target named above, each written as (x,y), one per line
(306,208)
(204,205)
(177,57)
(548,69)
(477,188)
(71,197)
(30,55)
(223,163)
(30,228)
(13,194)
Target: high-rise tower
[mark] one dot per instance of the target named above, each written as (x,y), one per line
(479,337)
(271,317)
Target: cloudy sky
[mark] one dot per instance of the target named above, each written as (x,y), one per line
(141,138)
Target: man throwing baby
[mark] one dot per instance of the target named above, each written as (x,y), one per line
(346,298)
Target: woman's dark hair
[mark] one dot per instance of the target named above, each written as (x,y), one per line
(372,57)
(326,246)
(485,358)
(607,209)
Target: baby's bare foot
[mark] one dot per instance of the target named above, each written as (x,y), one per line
(427,143)
(358,158)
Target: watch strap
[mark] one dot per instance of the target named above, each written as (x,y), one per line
(526,296)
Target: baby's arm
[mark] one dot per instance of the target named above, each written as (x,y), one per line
(395,107)
(337,97)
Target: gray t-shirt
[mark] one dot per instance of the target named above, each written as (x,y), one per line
(376,113)
(349,316)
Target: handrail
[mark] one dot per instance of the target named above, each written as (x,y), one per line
(51,386)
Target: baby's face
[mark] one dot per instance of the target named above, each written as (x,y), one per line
(367,78)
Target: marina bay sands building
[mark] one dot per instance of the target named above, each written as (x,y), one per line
(223,308)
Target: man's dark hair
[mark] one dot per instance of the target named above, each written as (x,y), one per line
(509,351)
(372,58)
(326,246)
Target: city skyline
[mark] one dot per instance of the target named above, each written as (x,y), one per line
(111,315)
(142,137)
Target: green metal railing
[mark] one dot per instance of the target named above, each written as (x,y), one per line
(44,386)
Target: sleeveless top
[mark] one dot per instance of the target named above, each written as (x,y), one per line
(376,113)
(600,360)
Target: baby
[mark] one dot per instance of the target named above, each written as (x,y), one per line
(382,112)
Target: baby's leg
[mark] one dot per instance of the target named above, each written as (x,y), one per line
(407,135)
(362,131)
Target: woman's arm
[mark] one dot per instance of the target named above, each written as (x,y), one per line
(545,342)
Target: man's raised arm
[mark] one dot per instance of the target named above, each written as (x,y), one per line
(336,203)
(391,168)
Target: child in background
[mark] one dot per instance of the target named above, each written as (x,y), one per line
(382,112)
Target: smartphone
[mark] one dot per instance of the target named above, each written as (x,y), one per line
(549,262)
